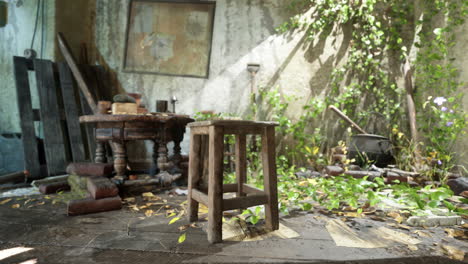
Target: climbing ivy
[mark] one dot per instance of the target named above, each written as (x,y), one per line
(381,34)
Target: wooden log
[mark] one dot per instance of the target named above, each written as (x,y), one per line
(90,169)
(54,187)
(15,177)
(361,174)
(100,187)
(89,205)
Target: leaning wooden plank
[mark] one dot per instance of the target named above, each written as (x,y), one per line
(76,71)
(71,113)
(53,138)
(31,154)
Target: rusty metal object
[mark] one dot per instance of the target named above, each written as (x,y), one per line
(15,177)
(89,205)
(100,187)
(347,119)
(90,169)
(54,187)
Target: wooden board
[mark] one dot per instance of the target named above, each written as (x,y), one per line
(53,137)
(88,129)
(71,113)
(31,154)
(64,48)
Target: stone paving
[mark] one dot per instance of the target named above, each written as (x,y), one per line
(126,236)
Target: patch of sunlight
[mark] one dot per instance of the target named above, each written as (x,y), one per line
(31,261)
(6,253)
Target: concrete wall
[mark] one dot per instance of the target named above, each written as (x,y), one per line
(244,32)
(14,39)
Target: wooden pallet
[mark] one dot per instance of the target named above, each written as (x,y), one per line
(59,112)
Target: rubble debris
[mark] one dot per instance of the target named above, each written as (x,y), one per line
(90,169)
(434,220)
(308,174)
(54,187)
(458,185)
(361,174)
(20,192)
(100,187)
(89,205)
(334,170)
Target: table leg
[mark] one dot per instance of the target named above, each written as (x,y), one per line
(100,152)
(163,164)
(120,160)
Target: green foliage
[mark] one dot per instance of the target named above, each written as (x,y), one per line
(381,34)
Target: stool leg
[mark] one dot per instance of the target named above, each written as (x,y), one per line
(270,179)
(241,164)
(194,175)
(215,185)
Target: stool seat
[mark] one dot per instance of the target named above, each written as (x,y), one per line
(247,195)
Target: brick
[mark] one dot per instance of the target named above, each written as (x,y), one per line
(100,187)
(90,169)
(89,205)
(334,170)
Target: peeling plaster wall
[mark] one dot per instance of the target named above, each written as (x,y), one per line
(14,39)
(244,32)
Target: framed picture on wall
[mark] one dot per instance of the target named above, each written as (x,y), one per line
(169,37)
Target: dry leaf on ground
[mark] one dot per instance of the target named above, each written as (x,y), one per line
(5,201)
(456,233)
(413,247)
(148,213)
(453,252)
(15,206)
(396,216)
(422,233)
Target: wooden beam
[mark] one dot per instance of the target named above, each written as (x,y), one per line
(31,153)
(50,115)
(200,197)
(71,113)
(244,202)
(64,48)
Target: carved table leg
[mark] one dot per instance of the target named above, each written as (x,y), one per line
(177,157)
(100,152)
(120,159)
(163,164)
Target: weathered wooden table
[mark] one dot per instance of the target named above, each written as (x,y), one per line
(119,129)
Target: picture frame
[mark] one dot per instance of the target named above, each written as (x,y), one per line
(169,37)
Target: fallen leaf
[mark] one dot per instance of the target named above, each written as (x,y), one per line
(377,218)
(134,207)
(303,183)
(15,206)
(40,203)
(453,252)
(147,194)
(130,199)
(148,213)
(182,238)
(413,247)
(456,233)
(5,201)
(422,233)
(194,225)
(184,227)
(173,220)
(396,216)
(465,225)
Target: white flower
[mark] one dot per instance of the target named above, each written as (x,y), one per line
(439,100)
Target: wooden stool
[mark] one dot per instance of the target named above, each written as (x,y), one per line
(246,195)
